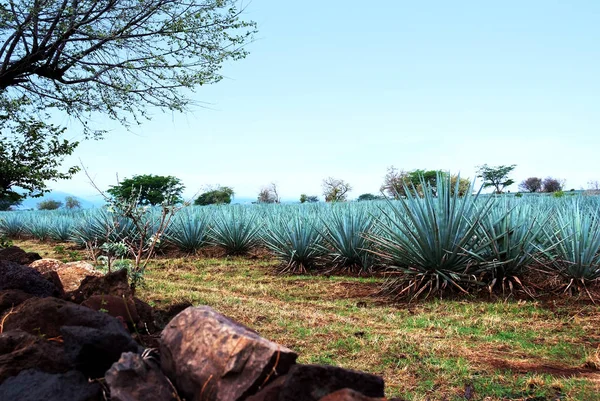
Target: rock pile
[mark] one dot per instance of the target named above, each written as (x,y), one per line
(78,346)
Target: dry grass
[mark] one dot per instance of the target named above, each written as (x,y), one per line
(434,350)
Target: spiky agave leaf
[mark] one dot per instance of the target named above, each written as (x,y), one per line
(576,255)
(39,227)
(236,230)
(12,224)
(295,242)
(345,238)
(426,238)
(188,231)
(60,228)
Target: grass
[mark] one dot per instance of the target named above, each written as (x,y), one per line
(434,350)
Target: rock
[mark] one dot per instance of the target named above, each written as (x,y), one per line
(313,382)
(270,392)
(11,299)
(35,385)
(46,265)
(114,306)
(20,351)
(24,278)
(54,278)
(92,340)
(133,378)
(71,274)
(164,316)
(93,350)
(349,395)
(114,283)
(210,357)
(146,316)
(18,256)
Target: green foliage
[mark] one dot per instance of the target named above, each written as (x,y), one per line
(397,182)
(72,203)
(49,204)
(218,196)
(308,198)
(558,194)
(149,189)
(496,176)
(31,153)
(368,197)
(5,242)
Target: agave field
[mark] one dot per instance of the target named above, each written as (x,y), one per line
(427,243)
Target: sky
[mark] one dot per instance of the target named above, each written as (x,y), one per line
(347,89)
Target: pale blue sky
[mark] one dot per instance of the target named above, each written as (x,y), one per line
(346,88)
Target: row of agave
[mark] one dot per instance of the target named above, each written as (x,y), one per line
(432,242)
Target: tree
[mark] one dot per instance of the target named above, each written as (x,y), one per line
(72,203)
(368,197)
(268,194)
(149,189)
(335,190)
(464,184)
(308,198)
(531,184)
(496,177)
(115,57)
(217,196)
(552,185)
(49,204)
(394,182)
(31,153)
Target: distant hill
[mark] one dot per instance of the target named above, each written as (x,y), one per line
(86,203)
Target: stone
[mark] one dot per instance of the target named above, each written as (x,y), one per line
(133,378)
(114,306)
(35,385)
(71,274)
(21,351)
(94,350)
(270,392)
(18,256)
(114,283)
(54,278)
(147,320)
(349,395)
(313,382)
(211,357)
(16,277)
(46,265)
(10,299)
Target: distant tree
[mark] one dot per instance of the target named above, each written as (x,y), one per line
(531,184)
(72,203)
(394,182)
(368,197)
(216,196)
(464,184)
(593,185)
(308,198)
(268,194)
(303,198)
(552,185)
(151,189)
(31,153)
(335,190)
(496,177)
(49,204)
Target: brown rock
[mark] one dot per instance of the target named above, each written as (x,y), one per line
(11,299)
(46,265)
(132,378)
(17,255)
(20,350)
(349,395)
(114,283)
(114,306)
(210,357)
(54,278)
(270,392)
(146,316)
(313,382)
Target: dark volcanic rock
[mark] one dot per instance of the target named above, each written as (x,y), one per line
(20,351)
(147,320)
(18,256)
(16,277)
(35,385)
(349,395)
(313,382)
(11,299)
(114,283)
(53,277)
(114,306)
(270,392)
(133,378)
(93,350)
(209,356)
